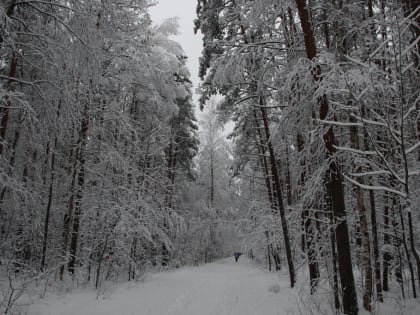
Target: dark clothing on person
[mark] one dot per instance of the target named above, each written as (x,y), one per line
(236,255)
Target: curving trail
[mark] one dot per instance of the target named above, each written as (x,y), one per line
(221,288)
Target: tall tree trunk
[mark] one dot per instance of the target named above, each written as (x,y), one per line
(333,246)
(211,178)
(334,185)
(171,164)
(132,268)
(407,202)
(407,252)
(268,254)
(263,160)
(80,187)
(68,217)
(47,218)
(308,235)
(50,196)
(311,252)
(386,254)
(288,178)
(397,248)
(100,260)
(12,163)
(6,109)
(375,243)
(278,192)
(367,265)
(364,228)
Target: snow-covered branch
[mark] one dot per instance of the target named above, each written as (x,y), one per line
(369,187)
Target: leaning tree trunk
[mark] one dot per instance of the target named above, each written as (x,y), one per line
(334,184)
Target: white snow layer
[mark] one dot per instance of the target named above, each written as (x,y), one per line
(221,288)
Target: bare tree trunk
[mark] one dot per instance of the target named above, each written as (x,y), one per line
(386,255)
(80,186)
(334,185)
(333,247)
(50,196)
(132,270)
(6,109)
(100,260)
(364,228)
(171,165)
(288,178)
(278,192)
(311,253)
(367,292)
(47,219)
(375,243)
(263,160)
(67,219)
(308,235)
(397,249)
(407,202)
(12,163)
(211,178)
(410,264)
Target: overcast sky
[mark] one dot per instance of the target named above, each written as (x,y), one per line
(191,43)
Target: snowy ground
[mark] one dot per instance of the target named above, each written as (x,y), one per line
(221,288)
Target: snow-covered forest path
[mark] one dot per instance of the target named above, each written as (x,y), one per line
(221,288)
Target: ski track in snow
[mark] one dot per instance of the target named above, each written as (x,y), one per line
(221,288)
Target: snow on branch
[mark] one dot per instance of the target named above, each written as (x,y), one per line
(372,173)
(369,187)
(338,123)
(412,148)
(414,173)
(368,121)
(347,149)
(412,108)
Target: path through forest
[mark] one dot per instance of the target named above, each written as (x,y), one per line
(221,288)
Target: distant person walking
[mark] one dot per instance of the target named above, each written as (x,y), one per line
(236,255)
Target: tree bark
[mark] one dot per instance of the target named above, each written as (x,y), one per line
(288,178)
(50,196)
(364,228)
(263,161)
(334,184)
(80,187)
(6,109)
(375,243)
(67,220)
(278,192)
(386,255)
(308,235)
(333,246)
